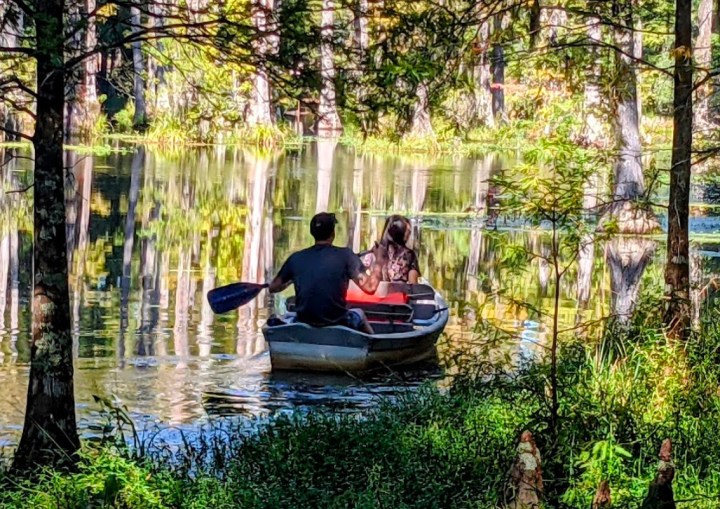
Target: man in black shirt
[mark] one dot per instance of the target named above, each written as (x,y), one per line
(321,274)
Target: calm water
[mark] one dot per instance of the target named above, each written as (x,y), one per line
(151,233)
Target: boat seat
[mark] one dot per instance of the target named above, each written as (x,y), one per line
(384,312)
(420,291)
(424,311)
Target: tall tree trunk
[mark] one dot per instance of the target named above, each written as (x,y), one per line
(328,123)
(50,432)
(638,55)
(82,107)
(630,216)
(498,75)
(483,78)
(361,38)
(11,28)
(420,124)
(594,132)
(260,101)
(157,69)
(140,119)
(677,268)
(703,62)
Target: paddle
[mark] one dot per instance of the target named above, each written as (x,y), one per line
(232,296)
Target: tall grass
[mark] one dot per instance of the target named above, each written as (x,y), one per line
(443,448)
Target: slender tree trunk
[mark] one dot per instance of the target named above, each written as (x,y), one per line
(140,119)
(630,216)
(677,268)
(49,433)
(483,78)
(498,76)
(260,99)
(420,124)
(11,27)
(702,56)
(594,132)
(82,108)
(328,123)
(157,69)
(638,55)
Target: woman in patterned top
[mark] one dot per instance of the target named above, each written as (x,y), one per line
(400,263)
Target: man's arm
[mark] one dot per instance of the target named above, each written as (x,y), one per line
(278,284)
(283,279)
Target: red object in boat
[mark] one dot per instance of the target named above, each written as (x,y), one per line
(354,295)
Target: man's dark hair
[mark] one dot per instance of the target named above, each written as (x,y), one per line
(322,226)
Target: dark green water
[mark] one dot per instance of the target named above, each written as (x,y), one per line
(151,233)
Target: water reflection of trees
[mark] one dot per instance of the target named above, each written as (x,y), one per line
(151,233)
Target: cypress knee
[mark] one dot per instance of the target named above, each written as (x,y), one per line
(660,494)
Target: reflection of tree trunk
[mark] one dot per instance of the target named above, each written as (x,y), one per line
(14,284)
(418,191)
(328,123)
(84,182)
(586,260)
(326,155)
(627,258)
(137,164)
(702,58)
(70,204)
(474,259)
(4,269)
(355,213)
(182,305)
(140,118)
(253,229)
(50,431)
(204,338)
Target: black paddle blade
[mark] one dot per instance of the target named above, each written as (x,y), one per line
(229,297)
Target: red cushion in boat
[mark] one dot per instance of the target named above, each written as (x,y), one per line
(359,296)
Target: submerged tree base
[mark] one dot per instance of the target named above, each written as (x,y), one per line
(629,217)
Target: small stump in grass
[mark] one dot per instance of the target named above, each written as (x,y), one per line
(660,495)
(526,481)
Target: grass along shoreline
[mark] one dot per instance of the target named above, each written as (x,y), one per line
(621,395)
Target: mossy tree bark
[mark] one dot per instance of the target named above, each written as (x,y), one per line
(49,434)
(677,268)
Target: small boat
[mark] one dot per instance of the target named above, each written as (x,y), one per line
(407,321)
